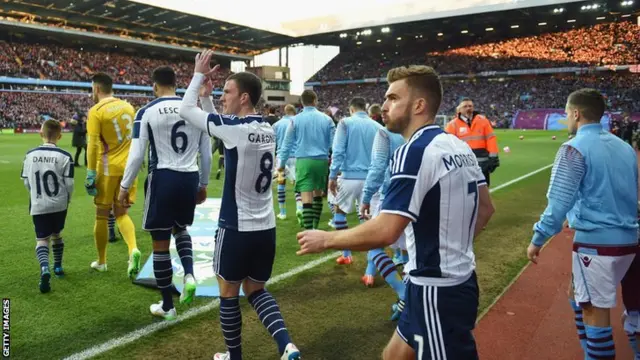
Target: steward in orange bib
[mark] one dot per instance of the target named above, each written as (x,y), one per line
(476,130)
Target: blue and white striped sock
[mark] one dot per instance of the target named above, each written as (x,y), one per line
(282,196)
(163,271)
(185,251)
(231,323)
(269,314)
(42,253)
(600,342)
(582,335)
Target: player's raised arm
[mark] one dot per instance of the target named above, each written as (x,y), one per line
(378,166)
(139,139)
(205,159)
(566,176)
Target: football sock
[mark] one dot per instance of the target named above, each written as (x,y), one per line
(282,198)
(112,223)
(600,342)
(633,341)
(101,238)
(269,314)
(307,216)
(163,272)
(298,201)
(387,269)
(185,251)
(42,254)
(582,335)
(371,267)
(340,222)
(317,210)
(58,249)
(128,231)
(231,323)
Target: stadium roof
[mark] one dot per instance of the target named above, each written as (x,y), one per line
(145,22)
(210,23)
(473,28)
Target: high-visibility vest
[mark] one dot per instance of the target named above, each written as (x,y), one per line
(478,133)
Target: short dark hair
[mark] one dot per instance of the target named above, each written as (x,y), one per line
(248,83)
(104,82)
(589,102)
(465,99)
(423,79)
(164,76)
(358,103)
(308,97)
(51,129)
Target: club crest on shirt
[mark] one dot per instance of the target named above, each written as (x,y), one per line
(586,260)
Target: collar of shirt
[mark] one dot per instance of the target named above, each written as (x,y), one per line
(49,145)
(425,127)
(597,127)
(308,108)
(360,114)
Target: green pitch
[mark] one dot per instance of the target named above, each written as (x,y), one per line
(327,310)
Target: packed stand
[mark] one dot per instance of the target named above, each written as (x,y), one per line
(29,110)
(56,62)
(499,100)
(602,44)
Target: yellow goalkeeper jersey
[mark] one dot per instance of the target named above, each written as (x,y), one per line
(109,126)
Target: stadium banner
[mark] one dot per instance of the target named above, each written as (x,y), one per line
(202,232)
(555,119)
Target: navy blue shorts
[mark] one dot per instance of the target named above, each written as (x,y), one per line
(170,200)
(49,224)
(439,320)
(241,255)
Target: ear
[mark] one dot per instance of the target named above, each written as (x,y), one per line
(419,105)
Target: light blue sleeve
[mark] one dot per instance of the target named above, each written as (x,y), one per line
(339,150)
(287,145)
(566,175)
(332,132)
(378,166)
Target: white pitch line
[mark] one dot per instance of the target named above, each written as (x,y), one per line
(150,329)
(511,182)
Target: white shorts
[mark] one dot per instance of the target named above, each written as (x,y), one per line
(290,169)
(632,322)
(596,277)
(401,243)
(349,191)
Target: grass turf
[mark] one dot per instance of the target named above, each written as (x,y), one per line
(327,309)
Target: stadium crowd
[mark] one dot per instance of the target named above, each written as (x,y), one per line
(602,44)
(57,62)
(499,100)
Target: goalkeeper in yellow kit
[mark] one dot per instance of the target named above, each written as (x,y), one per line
(109,138)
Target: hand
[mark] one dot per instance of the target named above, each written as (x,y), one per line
(206,88)
(494,163)
(365,211)
(312,241)
(90,183)
(533,252)
(333,186)
(203,64)
(202,195)
(123,198)
(565,224)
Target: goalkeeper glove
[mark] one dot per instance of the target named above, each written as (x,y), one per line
(90,183)
(494,162)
